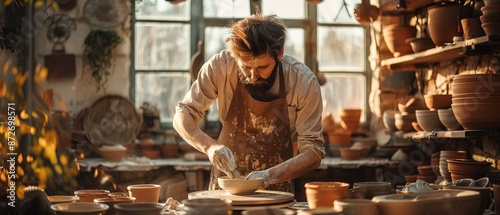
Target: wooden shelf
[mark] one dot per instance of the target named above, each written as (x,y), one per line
(452,134)
(411,5)
(426,58)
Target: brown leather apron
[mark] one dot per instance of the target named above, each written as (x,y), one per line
(258,134)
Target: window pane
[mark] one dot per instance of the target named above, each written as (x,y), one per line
(285,9)
(162,46)
(294,43)
(162,10)
(215,38)
(344,91)
(163,90)
(341,49)
(334,11)
(226,8)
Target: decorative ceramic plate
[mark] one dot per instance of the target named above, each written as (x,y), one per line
(260,197)
(112,119)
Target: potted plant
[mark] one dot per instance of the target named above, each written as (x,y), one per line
(98,54)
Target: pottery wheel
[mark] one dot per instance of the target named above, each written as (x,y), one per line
(259,197)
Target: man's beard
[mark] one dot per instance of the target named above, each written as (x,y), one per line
(261,85)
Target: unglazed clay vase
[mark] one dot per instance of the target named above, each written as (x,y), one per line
(145,192)
(323,194)
(443,24)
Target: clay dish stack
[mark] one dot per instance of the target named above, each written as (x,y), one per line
(425,173)
(467,168)
(444,156)
(491,17)
(475,102)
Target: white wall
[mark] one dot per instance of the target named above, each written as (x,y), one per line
(80,92)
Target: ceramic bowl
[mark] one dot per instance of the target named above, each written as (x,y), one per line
(441,101)
(429,120)
(138,208)
(419,44)
(239,186)
(89,195)
(447,117)
(112,201)
(454,202)
(62,199)
(79,208)
(425,170)
(347,153)
(112,153)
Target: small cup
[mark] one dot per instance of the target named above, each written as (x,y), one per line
(145,192)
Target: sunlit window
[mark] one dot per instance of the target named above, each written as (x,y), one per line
(165,37)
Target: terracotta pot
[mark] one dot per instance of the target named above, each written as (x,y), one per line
(323,194)
(395,36)
(425,170)
(484,193)
(472,28)
(447,117)
(347,153)
(443,24)
(145,192)
(477,116)
(169,151)
(366,13)
(429,120)
(442,101)
(489,18)
(339,138)
(491,28)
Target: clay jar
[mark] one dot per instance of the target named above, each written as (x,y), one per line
(145,192)
(323,194)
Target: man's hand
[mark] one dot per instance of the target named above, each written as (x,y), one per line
(222,158)
(260,174)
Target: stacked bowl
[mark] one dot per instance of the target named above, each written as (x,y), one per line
(476,98)
(444,156)
(491,17)
(467,168)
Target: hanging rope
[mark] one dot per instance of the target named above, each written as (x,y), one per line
(344,5)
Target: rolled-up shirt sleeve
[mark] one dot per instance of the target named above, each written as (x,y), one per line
(202,93)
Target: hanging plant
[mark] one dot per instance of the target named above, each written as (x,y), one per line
(98,53)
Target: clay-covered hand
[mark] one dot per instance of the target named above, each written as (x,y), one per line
(222,158)
(264,174)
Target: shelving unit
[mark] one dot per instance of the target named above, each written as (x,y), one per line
(452,134)
(426,58)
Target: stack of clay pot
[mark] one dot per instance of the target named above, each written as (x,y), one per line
(490,20)
(475,102)
(467,168)
(444,156)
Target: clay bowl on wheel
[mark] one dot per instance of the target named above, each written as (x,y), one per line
(239,186)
